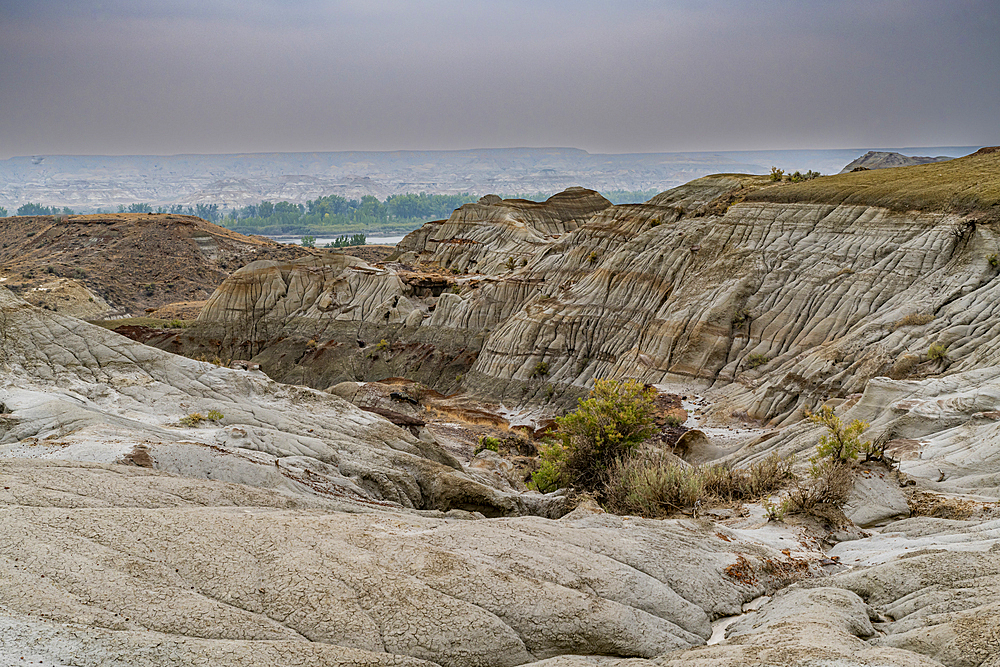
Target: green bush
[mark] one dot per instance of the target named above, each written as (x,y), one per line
(308,241)
(777,174)
(839,444)
(937,352)
(549,477)
(756,359)
(740,317)
(487,442)
(541,369)
(993,260)
(214,416)
(606,426)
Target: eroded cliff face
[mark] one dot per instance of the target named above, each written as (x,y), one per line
(789,304)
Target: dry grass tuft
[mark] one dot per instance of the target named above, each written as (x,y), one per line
(913,319)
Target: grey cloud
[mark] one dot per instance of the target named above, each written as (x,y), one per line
(144,77)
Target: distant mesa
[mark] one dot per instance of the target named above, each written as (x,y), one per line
(885,160)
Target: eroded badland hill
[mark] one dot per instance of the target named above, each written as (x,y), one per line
(292,525)
(102,266)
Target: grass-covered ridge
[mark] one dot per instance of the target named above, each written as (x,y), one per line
(962,185)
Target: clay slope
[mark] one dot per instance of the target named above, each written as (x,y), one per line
(76,391)
(99,266)
(720,281)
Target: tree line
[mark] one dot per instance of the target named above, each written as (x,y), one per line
(328,215)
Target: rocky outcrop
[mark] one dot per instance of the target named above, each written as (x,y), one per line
(76,391)
(126,264)
(154,569)
(887,160)
(719,282)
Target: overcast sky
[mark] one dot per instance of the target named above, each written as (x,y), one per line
(227,76)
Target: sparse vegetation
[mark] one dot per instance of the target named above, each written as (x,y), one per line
(510,264)
(655,485)
(382,345)
(777,174)
(913,319)
(993,261)
(592,257)
(740,317)
(937,352)
(926,187)
(756,359)
(541,369)
(195,419)
(149,289)
(674,421)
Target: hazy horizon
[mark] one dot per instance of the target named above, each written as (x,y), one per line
(117,77)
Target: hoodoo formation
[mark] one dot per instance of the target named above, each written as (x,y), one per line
(360,499)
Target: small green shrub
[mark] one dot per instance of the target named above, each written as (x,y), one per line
(149,289)
(655,222)
(756,359)
(839,444)
(775,511)
(777,174)
(541,369)
(550,477)
(937,352)
(550,391)
(674,421)
(487,442)
(382,346)
(510,264)
(455,289)
(592,257)
(740,317)
(455,270)
(993,260)
(193,419)
(214,415)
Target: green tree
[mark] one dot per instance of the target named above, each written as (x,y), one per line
(308,241)
(3,212)
(35,209)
